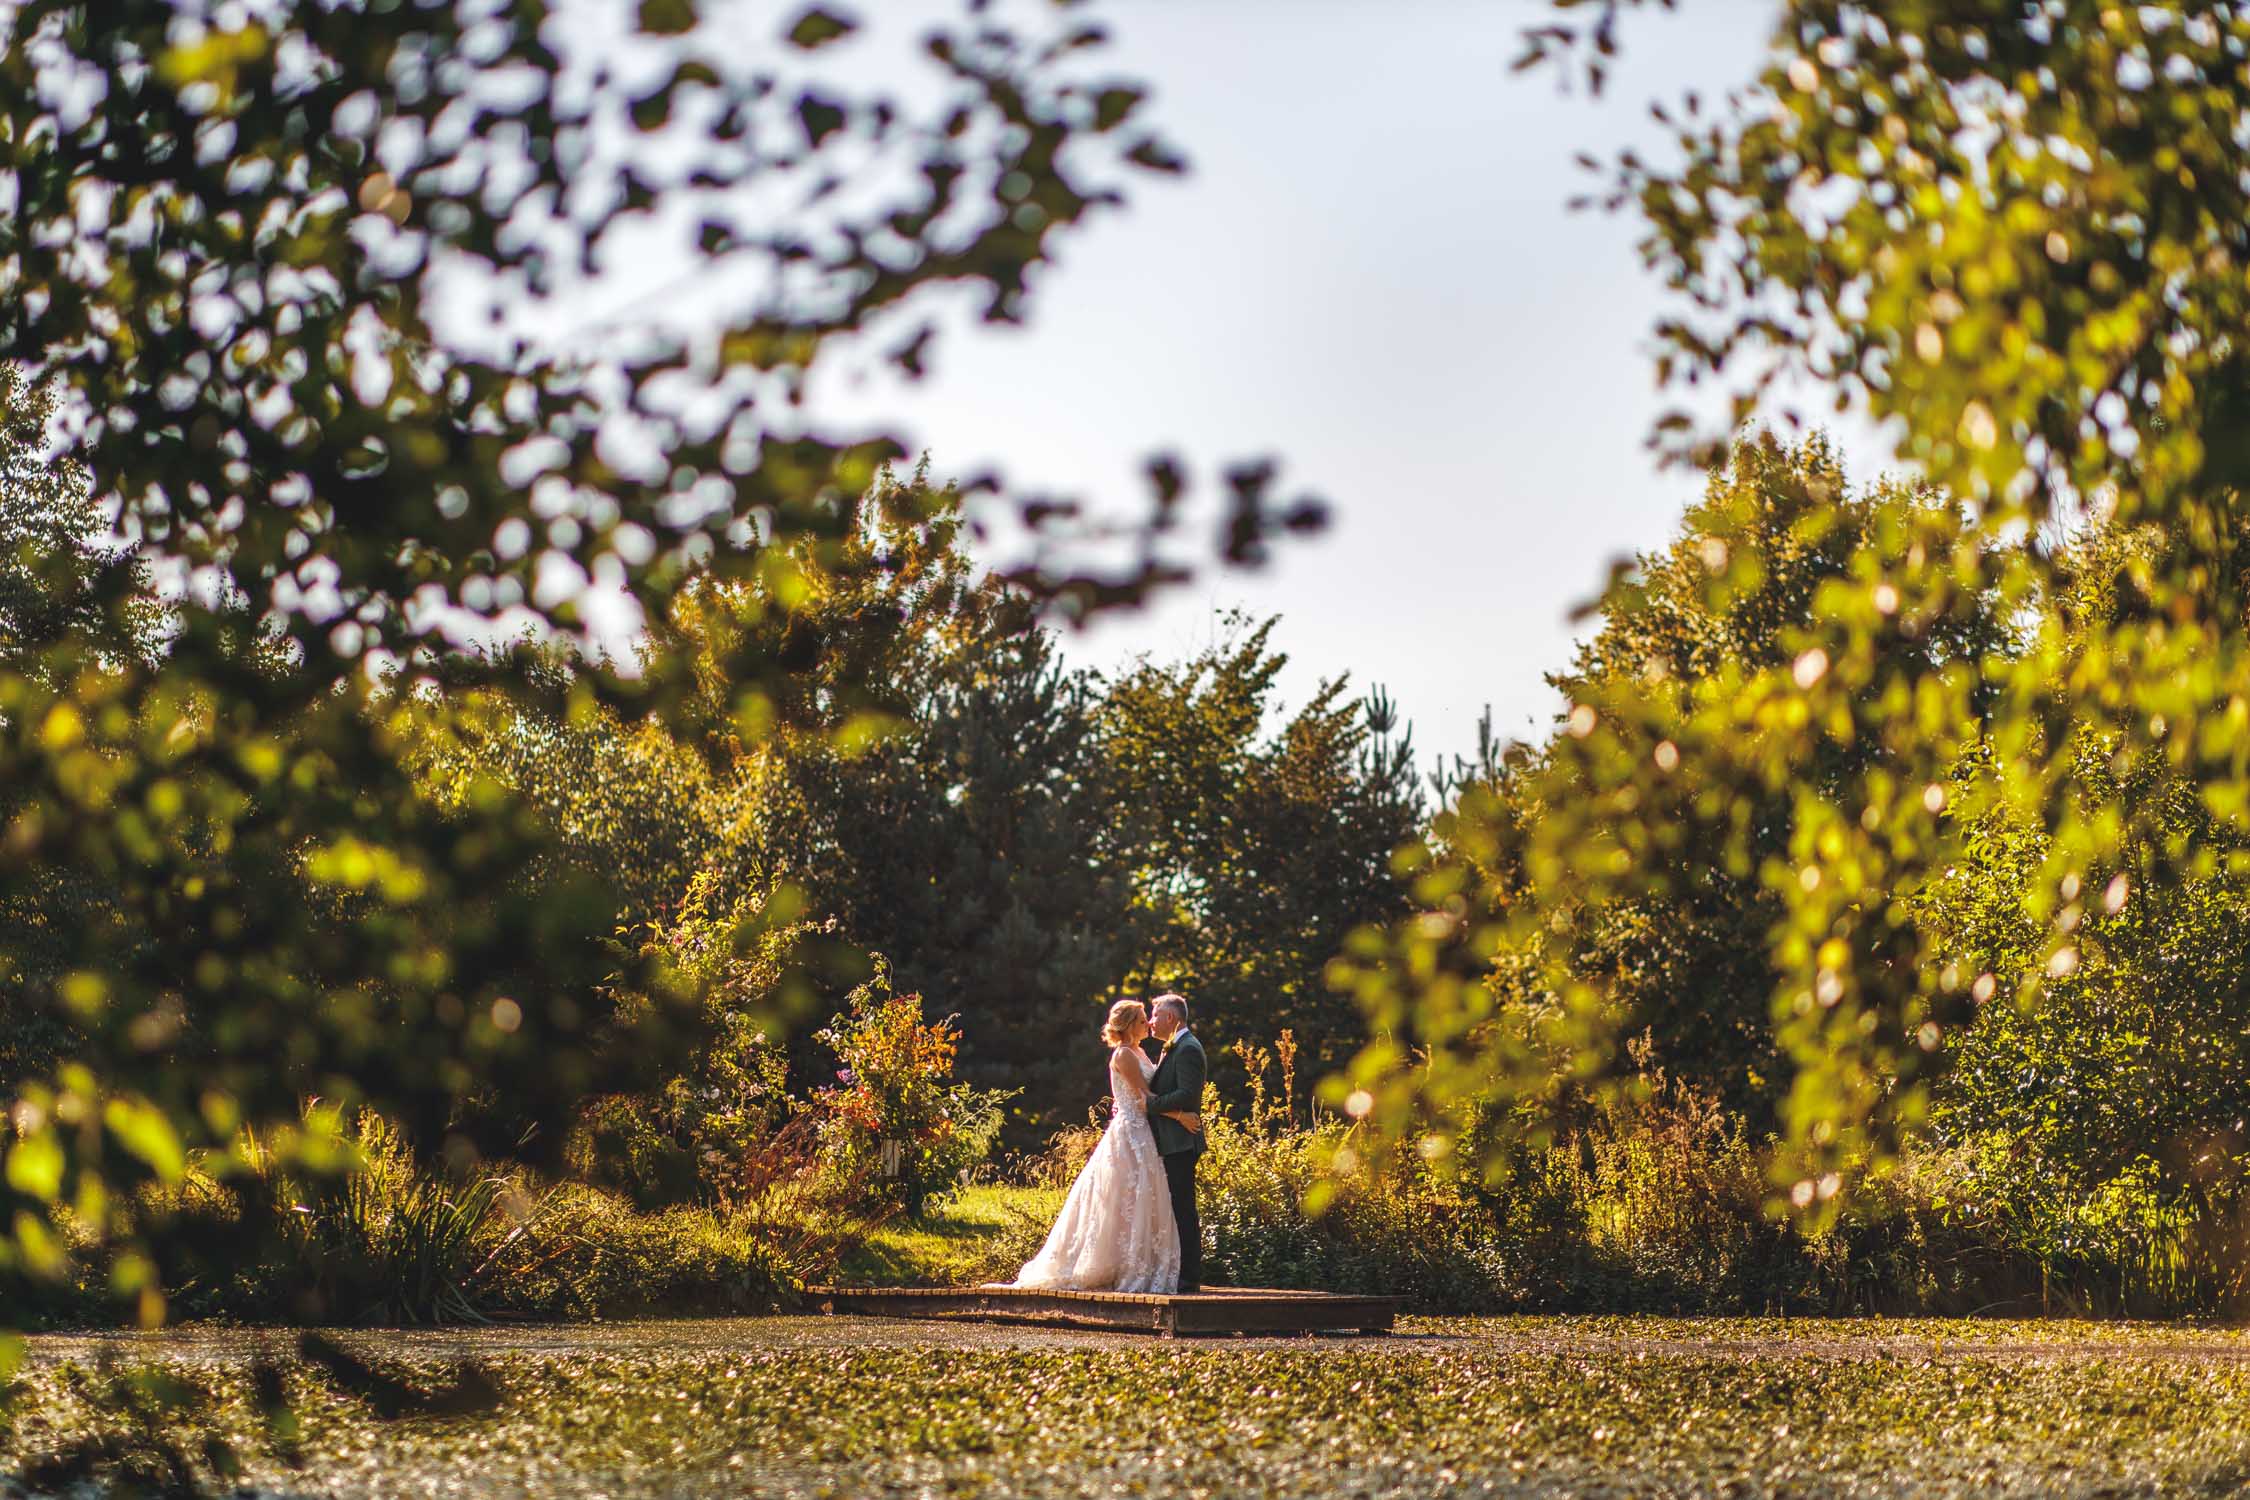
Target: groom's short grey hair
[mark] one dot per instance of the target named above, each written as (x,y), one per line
(1174,1003)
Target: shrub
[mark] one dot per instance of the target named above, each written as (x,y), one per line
(1656,1200)
(1294,1206)
(393,1240)
(896,1119)
(752,967)
(1667,1199)
(626,1146)
(1273,1216)
(2133,1241)
(593,1255)
(782,1223)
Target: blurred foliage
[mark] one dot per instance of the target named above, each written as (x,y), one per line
(290,271)
(62,593)
(1653,1196)
(1684,956)
(2017,234)
(2106,1096)
(683,1141)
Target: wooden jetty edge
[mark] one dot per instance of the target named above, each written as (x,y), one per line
(1212,1311)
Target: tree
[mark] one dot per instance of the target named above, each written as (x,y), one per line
(926,785)
(231,235)
(628,803)
(1737,591)
(2118,1077)
(1571,962)
(2017,234)
(950,817)
(1002,829)
(1254,854)
(934,792)
(67,599)
(971,847)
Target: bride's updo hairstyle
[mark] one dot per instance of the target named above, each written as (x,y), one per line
(1123,1017)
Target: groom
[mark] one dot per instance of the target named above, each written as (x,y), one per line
(1178,1085)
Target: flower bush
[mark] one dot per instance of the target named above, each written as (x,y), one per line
(895,1114)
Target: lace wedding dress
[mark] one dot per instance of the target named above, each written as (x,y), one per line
(1115,1232)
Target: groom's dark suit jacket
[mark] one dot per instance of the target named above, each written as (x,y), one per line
(1177,1084)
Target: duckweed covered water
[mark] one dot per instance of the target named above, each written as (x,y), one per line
(812,1407)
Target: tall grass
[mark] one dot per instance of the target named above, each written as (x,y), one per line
(396,1239)
(388,1241)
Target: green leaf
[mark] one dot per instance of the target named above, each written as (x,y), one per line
(667,17)
(1157,157)
(820,26)
(1112,106)
(35,1165)
(143,1130)
(821,118)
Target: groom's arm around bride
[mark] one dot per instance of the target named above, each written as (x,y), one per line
(1177,1089)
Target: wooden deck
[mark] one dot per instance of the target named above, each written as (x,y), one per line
(1214,1311)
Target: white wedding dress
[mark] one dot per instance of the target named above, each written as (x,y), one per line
(1116,1232)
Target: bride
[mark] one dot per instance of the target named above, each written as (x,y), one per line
(1116,1232)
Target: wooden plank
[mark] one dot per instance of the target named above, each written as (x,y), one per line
(1284,1315)
(1222,1310)
(973,1306)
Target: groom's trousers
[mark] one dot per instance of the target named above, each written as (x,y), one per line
(1179,1176)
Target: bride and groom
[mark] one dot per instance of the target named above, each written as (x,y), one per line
(1129,1224)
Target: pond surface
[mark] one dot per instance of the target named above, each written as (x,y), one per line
(846,1406)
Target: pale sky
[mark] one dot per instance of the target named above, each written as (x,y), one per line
(1370,272)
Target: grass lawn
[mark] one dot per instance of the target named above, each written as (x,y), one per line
(810,1406)
(971,1235)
